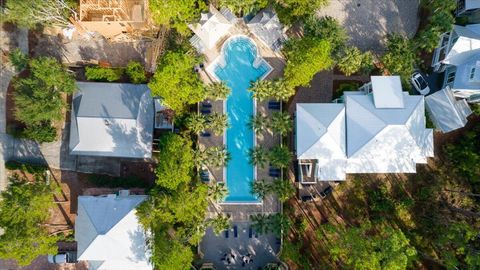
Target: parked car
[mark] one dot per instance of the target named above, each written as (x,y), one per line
(420,84)
(57,259)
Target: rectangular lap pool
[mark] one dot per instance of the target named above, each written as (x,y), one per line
(238,67)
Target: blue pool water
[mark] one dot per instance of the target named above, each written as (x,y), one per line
(238,72)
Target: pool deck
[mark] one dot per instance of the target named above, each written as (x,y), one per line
(262,248)
(242,212)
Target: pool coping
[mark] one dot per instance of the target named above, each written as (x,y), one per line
(211,72)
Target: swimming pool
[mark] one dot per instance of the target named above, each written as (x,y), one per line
(238,66)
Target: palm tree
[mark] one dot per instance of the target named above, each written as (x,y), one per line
(258,156)
(262,89)
(260,223)
(278,224)
(217,123)
(260,188)
(196,123)
(281,122)
(216,156)
(217,91)
(220,223)
(217,192)
(280,156)
(282,90)
(283,188)
(258,123)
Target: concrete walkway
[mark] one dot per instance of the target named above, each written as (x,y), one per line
(368,21)
(10,38)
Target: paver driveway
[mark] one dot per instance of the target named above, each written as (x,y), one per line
(368,21)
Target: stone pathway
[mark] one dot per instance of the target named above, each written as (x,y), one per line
(368,21)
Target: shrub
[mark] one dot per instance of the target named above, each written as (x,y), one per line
(18,59)
(103,74)
(326,28)
(135,72)
(306,57)
(400,58)
(41,133)
(25,167)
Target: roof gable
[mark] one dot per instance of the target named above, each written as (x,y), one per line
(108,230)
(318,122)
(109,100)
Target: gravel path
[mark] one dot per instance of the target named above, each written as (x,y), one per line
(368,21)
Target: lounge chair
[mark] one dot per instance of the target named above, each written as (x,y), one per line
(250,232)
(205,134)
(274,172)
(235,231)
(274,105)
(206,105)
(226,233)
(278,241)
(307,198)
(205,176)
(206,111)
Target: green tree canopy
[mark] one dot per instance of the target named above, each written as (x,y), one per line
(29,13)
(326,28)
(290,11)
(176,81)
(245,6)
(280,156)
(364,248)
(38,97)
(305,57)
(281,122)
(175,161)
(176,13)
(18,59)
(258,156)
(24,209)
(351,60)
(219,223)
(400,57)
(217,91)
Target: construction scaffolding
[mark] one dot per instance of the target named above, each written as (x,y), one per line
(117,19)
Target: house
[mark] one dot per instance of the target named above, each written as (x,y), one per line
(113,17)
(446,111)
(380,130)
(468,8)
(458,56)
(268,28)
(108,233)
(212,28)
(112,120)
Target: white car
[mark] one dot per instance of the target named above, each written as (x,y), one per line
(420,83)
(57,259)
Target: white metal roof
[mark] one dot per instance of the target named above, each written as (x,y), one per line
(112,119)
(378,140)
(466,46)
(211,28)
(268,28)
(446,112)
(387,91)
(108,233)
(321,136)
(472,4)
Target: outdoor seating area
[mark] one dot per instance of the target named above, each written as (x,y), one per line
(239,247)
